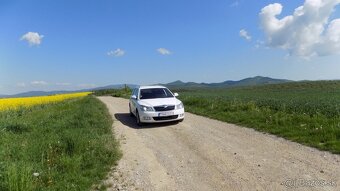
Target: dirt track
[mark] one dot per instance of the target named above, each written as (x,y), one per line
(205,154)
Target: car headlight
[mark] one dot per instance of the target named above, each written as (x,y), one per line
(180,106)
(146,108)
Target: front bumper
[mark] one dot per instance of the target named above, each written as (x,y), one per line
(161,116)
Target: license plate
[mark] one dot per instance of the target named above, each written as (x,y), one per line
(165,114)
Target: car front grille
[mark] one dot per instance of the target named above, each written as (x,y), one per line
(165,118)
(164,108)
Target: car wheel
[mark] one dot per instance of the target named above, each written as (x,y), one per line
(131,114)
(139,123)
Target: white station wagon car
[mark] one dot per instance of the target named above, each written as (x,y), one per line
(153,104)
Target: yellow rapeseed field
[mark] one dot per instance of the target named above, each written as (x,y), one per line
(15,103)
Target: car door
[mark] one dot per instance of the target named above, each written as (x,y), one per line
(133,102)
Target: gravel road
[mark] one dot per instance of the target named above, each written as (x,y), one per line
(206,154)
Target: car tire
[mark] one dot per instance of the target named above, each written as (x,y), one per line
(131,114)
(139,123)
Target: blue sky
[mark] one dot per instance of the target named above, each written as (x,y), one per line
(91,43)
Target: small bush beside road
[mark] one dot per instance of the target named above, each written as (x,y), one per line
(124,92)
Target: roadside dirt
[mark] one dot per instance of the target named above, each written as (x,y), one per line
(205,154)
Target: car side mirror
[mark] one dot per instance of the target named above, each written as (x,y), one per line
(176,94)
(133,97)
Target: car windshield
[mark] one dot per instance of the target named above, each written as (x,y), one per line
(153,93)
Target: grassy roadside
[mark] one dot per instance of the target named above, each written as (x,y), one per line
(313,130)
(304,112)
(63,146)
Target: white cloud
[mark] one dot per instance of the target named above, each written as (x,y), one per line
(39,83)
(117,53)
(33,38)
(243,33)
(63,84)
(307,32)
(164,51)
(21,84)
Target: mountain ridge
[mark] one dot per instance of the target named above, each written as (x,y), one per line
(251,81)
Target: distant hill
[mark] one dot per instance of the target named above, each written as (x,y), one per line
(36,93)
(116,86)
(180,84)
(3,96)
(257,80)
(45,93)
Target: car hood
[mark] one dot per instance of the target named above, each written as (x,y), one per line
(159,101)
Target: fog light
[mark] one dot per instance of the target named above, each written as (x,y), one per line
(146,118)
(181,115)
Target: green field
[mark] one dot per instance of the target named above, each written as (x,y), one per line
(305,112)
(63,146)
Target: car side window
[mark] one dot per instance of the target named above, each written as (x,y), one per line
(137,92)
